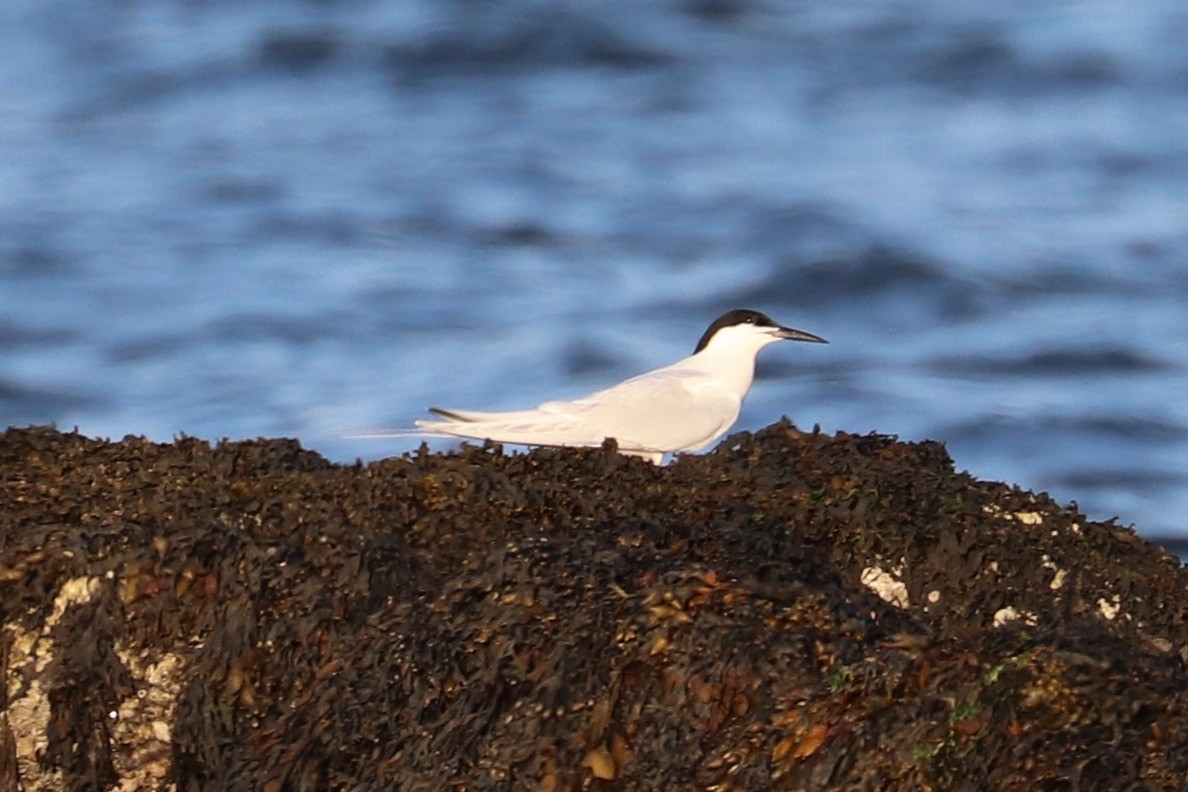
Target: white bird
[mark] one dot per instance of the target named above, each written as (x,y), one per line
(684,406)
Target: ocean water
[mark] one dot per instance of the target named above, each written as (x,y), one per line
(234,219)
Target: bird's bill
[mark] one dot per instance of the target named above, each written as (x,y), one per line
(789,334)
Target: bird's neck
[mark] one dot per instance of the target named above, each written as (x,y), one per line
(735,370)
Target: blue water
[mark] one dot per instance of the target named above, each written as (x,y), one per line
(305,218)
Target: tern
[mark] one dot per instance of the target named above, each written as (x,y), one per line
(684,406)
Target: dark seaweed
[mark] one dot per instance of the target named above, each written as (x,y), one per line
(570,619)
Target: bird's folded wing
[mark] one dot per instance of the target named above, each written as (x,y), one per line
(667,409)
(663,410)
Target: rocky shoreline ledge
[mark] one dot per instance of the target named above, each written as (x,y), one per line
(793,611)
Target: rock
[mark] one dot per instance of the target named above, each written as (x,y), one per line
(792,611)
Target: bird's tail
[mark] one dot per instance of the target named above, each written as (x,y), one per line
(454,423)
(388,434)
(478,416)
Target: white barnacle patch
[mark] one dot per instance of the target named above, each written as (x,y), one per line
(1004,616)
(28,702)
(886,585)
(1059,574)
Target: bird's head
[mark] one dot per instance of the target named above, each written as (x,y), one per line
(746,332)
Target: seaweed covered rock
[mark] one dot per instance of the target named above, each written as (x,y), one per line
(792,611)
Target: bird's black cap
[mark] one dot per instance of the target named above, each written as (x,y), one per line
(736,317)
(741,316)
